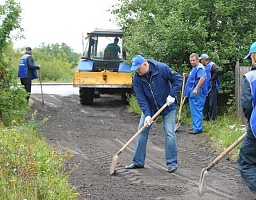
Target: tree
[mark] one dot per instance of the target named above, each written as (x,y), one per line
(10,20)
(58,61)
(58,49)
(170,30)
(13,107)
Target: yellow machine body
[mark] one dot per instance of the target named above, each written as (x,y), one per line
(103,79)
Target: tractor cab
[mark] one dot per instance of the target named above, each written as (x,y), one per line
(102,69)
(105,48)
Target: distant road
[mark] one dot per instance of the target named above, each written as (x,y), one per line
(64,89)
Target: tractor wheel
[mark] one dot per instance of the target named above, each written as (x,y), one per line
(96,93)
(86,96)
(125,94)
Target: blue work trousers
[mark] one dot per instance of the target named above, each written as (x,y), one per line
(196,105)
(170,141)
(247,160)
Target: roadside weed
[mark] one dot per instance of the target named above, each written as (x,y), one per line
(224,131)
(31,169)
(133,104)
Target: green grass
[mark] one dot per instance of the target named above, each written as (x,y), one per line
(30,168)
(223,132)
(133,105)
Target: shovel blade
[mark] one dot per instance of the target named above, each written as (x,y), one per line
(113,164)
(202,182)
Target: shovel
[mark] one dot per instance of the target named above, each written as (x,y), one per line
(40,79)
(204,171)
(182,101)
(115,157)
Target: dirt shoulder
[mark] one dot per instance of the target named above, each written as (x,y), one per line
(95,133)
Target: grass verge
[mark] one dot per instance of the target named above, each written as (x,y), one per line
(30,168)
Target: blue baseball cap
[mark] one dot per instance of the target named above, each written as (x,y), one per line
(136,62)
(28,49)
(252,50)
(204,56)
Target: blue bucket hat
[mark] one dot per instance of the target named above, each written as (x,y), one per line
(136,62)
(252,50)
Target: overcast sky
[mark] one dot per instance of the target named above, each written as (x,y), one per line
(57,21)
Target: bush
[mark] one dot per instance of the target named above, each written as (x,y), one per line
(133,104)
(13,107)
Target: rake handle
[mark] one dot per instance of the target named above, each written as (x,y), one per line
(182,99)
(224,153)
(181,105)
(40,79)
(183,85)
(142,128)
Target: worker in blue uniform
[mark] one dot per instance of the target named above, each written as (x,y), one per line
(247,155)
(196,91)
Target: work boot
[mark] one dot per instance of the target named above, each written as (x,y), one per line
(171,169)
(133,166)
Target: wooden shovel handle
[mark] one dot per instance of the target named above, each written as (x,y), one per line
(142,128)
(224,153)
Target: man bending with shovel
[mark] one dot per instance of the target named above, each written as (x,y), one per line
(155,84)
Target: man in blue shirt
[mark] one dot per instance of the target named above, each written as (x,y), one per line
(196,91)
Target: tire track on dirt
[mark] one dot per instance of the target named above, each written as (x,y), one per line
(95,133)
(155,164)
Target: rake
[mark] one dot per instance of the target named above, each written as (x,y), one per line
(204,172)
(182,101)
(40,79)
(115,157)
(177,125)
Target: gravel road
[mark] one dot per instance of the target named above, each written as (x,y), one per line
(95,133)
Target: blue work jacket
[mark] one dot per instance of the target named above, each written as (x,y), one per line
(213,79)
(152,90)
(248,99)
(195,73)
(27,67)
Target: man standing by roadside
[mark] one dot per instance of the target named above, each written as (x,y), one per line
(27,70)
(213,86)
(155,84)
(247,155)
(196,91)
